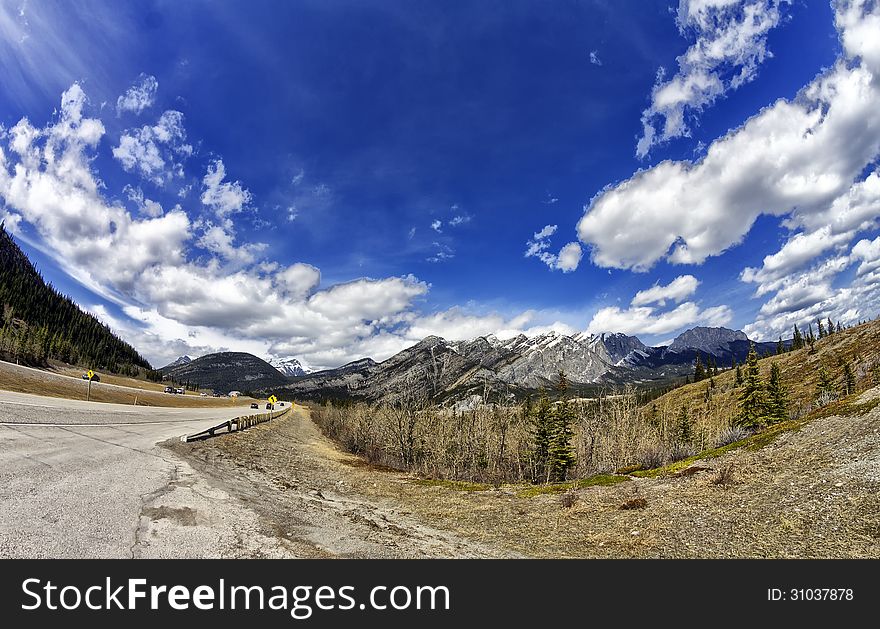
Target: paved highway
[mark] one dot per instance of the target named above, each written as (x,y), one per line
(86,479)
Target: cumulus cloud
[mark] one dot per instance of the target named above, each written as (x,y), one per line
(594,58)
(730,43)
(647,320)
(794,157)
(155,152)
(677,290)
(145,206)
(568,258)
(175,300)
(645,314)
(139,96)
(224,197)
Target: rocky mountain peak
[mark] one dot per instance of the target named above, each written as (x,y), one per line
(704,339)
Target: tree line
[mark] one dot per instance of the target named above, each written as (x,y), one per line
(39,323)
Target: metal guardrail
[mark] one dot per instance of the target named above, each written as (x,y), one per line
(235,424)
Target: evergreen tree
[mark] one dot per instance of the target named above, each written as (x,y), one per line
(752,398)
(831,327)
(739,377)
(780,347)
(797,341)
(683,424)
(825,386)
(542,433)
(561,454)
(849,379)
(838,326)
(699,371)
(821,328)
(777,396)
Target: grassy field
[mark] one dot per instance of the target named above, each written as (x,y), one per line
(65,381)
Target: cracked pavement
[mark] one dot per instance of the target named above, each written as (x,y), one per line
(81,479)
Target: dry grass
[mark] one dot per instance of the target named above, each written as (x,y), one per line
(814,492)
(67,383)
(860,346)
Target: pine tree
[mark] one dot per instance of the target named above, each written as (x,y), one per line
(831,327)
(699,371)
(825,386)
(683,424)
(777,396)
(797,341)
(838,326)
(780,347)
(739,377)
(542,432)
(821,328)
(561,454)
(752,398)
(849,379)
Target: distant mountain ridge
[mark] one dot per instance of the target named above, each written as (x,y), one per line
(227,371)
(435,368)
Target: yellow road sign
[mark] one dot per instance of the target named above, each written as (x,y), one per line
(90,374)
(272,399)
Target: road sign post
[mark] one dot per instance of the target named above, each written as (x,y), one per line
(90,374)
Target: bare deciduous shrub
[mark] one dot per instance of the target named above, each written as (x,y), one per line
(635,503)
(731,435)
(724,476)
(568,500)
(494,443)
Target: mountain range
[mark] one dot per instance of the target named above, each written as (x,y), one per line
(437,369)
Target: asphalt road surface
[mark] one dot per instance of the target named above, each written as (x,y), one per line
(86,479)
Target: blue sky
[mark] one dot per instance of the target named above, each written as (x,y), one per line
(329,180)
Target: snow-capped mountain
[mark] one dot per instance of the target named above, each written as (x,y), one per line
(288,367)
(435,368)
(181,360)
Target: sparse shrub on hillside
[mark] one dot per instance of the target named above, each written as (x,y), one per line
(634,503)
(724,476)
(731,435)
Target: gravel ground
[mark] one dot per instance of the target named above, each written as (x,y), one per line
(811,493)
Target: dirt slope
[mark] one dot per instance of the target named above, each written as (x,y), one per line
(810,493)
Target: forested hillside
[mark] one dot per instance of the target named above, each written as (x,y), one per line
(37,322)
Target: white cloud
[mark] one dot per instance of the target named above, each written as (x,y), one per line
(139,96)
(793,157)
(800,250)
(437,226)
(460,219)
(442,252)
(176,299)
(677,290)
(868,252)
(155,151)
(730,44)
(646,320)
(594,58)
(224,197)
(568,258)
(145,206)
(219,239)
